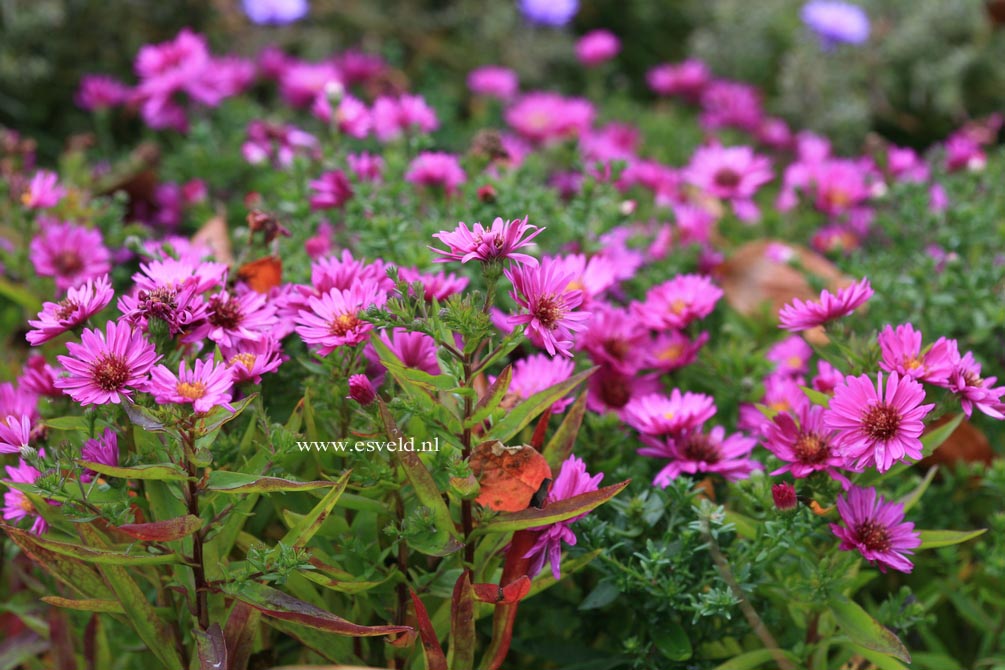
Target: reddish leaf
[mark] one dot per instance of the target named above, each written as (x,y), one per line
(508,476)
(554,512)
(60,642)
(163,531)
(212,648)
(239,634)
(503,595)
(79,576)
(435,660)
(276,604)
(461,651)
(514,569)
(263,274)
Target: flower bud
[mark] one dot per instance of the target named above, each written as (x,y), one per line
(361,390)
(784,495)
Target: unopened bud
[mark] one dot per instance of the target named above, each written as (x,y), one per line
(784,495)
(361,390)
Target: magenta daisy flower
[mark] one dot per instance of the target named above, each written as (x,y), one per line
(330,191)
(536,373)
(876,528)
(70,254)
(15,434)
(248,360)
(361,389)
(39,377)
(974,391)
(730,173)
(614,339)
(487,245)
(876,426)
(415,350)
(435,286)
(231,319)
(436,169)
(80,304)
(551,320)
(902,353)
(572,480)
(333,320)
(181,308)
(673,350)
(17,506)
(799,315)
(610,389)
(104,450)
(791,356)
(806,446)
(674,304)
(104,367)
(695,451)
(43,191)
(658,414)
(204,386)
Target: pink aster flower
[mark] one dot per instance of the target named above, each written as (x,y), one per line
(877,426)
(551,318)
(104,367)
(436,169)
(233,318)
(330,191)
(351,117)
(277,145)
(39,377)
(791,356)
(17,506)
(43,191)
(80,304)
(415,350)
(104,450)
(596,47)
(301,82)
(905,165)
(18,401)
(15,434)
(687,79)
(488,244)
(731,173)
(538,372)
(69,253)
(876,528)
(613,338)
(806,446)
(593,276)
(98,92)
(902,353)
(782,393)
(801,315)
(204,386)
(674,304)
(695,451)
(248,360)
(367,167)
(180,273)
(333,320)
(547,117)
(612,390)
(729,104)
(828,377)
(673,350)
(494,82)
(974,391)
(659,414)
(435,286)
(572,480)
(182,309)
(393,118)
(343,272)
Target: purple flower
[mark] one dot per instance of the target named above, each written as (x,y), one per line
(248,360)
(17,506)
(536,373)
(275,12)
(876,528)
(488,244)
(493,81)
(784,495)
(806,446)
(69,253)
(361,390)
(333,319)
(234,318)
(204,386)
(104,450)
(802,315)
(695,451)
(572,480)
(597,46)
(331,190)
(554,13)
(104,367)
(551,316)
(836,22)
(436,169)
(414,350)
(80,304)
(43,191)
(658,414)
(15,434)
(98,92)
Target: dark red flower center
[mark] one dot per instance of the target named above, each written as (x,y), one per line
(727,178)
(617,349)
(68,262)
(110,372)
(881,422)
(873,536)
(66,308)
(342,324)
(615,392)
(225,314)
(697,447)
(811,448)
(549,311)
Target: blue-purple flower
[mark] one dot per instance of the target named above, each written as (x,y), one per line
(836,22)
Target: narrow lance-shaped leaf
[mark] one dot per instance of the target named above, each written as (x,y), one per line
(554,512)
(756,659)
(276,604)
(445,540)
(433,652)
(89,605)
(461,649)
(163,531)
(79,576)
(526,411)
(167,472)
(240,483)
(561,443)
(932,539)
(302,532)
(239,633)
(862,629)
(212,648)
(91,554)
(493,397)
(914,496)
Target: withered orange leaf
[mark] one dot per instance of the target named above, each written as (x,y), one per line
(262,275)
(508,476)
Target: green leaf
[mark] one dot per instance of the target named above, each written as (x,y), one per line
(494,396)
(89,605)
(163,531)
(603,595)
(816,397)
(77,423)
(932,539)
(20,295)
(933,440)
(561,443)
(278,605)
(81,577)
(914,496)
(532,407)
(754,659)
(212,648)
(673,642)
(306,526)
(139,612)
(445,540)
(554,512)
(461,644)
(745,526)
(166,472)
(880,661)
(863,630)
(239,482)
(91,554)
(219,415)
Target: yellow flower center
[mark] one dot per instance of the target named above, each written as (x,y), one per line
(191,390)
(246,359)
